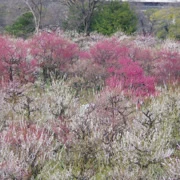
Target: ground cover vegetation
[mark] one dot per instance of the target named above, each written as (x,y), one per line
(104,108)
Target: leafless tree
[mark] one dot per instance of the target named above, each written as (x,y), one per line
(81,12)
(36,8)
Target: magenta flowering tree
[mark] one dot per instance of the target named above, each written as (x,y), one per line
(129,76)
(120,70)
(25,148)
(14,65)
(52,53)
(146,57)
(168,67)
(100,57)
(107,52)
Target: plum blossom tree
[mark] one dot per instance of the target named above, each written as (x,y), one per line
(107,52)
(146,57)
(129,76)
(52,53)
(86,76)
(151,143)
(14,64)
(168,66)
(119,67)
(28,144)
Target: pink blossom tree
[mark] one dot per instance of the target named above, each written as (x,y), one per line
(14,64)
(129,76)
(146,57)
(52,53)
(121,70)
(168,67)
(107,52)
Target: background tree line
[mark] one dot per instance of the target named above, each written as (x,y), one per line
(87,16)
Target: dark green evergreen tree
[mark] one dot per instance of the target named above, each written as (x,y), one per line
(112,17)
(22,27)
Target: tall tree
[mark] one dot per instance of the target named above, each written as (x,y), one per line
(166,23)
(36,8)
(80,14)
(114,16)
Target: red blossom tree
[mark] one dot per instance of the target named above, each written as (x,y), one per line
(27,147)
(52,53)
(146,57)
(129,76)
(168,67)
(14,64)
(30,148)
(121,70)
(107,52)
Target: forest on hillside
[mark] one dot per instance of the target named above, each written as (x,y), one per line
(86,104)
(21,18)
